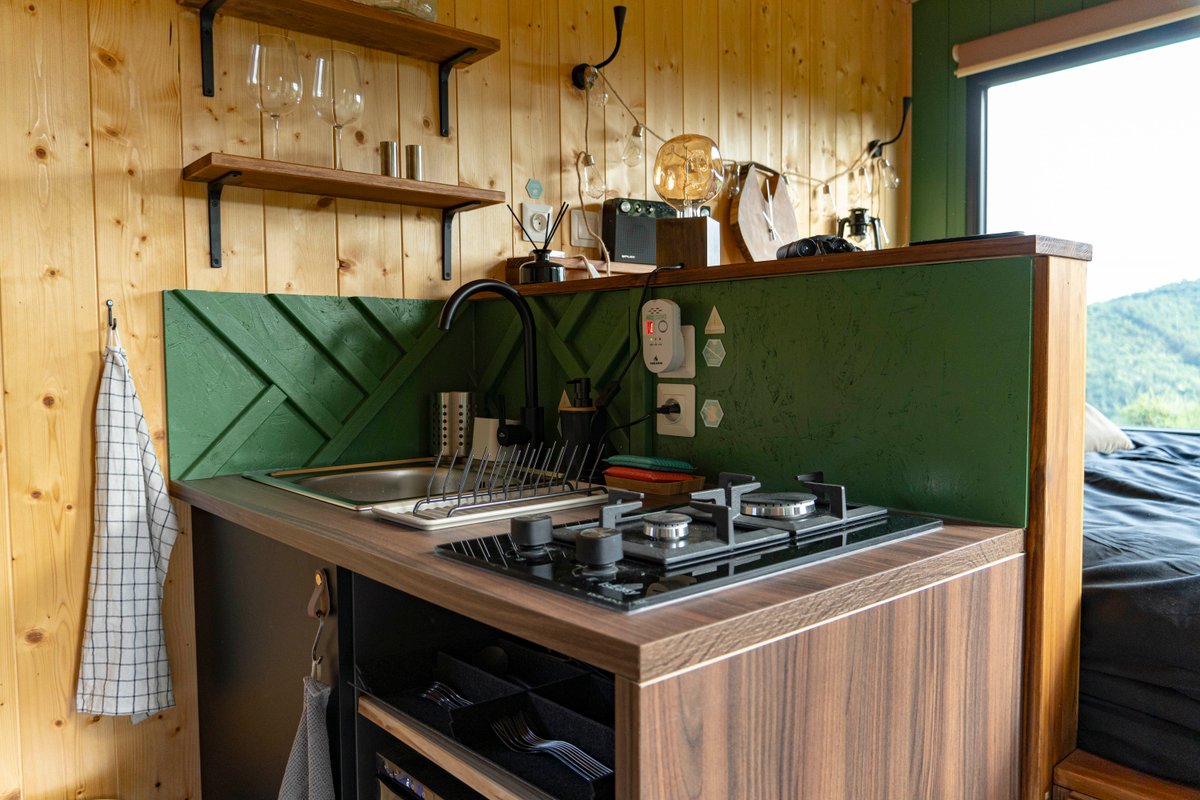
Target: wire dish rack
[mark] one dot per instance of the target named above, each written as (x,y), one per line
(517,480)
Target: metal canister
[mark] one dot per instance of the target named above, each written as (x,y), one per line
(389,158)
(452,422)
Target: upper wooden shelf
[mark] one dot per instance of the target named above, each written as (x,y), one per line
(261,173)
(219,170)
(368,26)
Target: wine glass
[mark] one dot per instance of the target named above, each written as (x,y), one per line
(337,92)
(275,79)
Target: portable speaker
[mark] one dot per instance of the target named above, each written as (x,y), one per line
(627,228)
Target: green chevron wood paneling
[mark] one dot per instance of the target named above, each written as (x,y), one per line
(262,381)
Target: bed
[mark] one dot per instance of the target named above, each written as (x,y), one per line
(1139,702)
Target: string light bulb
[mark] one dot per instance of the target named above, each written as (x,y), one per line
(824,201)
(888,179)
(593,178)
(635,146)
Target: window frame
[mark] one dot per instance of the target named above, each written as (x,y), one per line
(979,83)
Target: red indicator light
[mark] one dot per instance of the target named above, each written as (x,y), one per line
(649,327)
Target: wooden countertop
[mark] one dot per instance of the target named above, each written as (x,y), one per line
(642,646)
(934,253)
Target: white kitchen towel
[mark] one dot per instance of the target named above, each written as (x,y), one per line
(309,773)
(123,667)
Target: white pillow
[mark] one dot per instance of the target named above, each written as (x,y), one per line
(1100,434)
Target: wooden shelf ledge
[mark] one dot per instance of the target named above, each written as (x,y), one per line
(376,28)
(480,774)
(261,173)
(219,170)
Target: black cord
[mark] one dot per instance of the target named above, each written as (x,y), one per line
(614,386)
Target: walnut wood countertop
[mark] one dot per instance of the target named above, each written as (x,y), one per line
(933,253)
(642,646)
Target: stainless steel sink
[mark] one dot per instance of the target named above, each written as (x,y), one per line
(431,494)
(361,486)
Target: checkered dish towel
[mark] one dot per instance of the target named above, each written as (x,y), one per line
(123,667)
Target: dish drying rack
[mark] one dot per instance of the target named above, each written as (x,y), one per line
(517,480)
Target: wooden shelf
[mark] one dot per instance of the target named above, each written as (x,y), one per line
(368,26)
(347,21)
(480,774)
(261,173)
(219,170)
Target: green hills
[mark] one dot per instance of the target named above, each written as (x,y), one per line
(1143,357)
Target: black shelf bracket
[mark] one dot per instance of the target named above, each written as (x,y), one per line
(207,12)
(214,216)
(444,69)
(448,215)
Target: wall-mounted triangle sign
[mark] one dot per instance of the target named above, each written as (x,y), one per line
(715,325)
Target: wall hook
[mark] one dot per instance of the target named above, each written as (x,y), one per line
(875,147)
(579,75)
(112,321)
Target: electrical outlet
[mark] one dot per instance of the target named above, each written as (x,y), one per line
(683,423)
(579,232)
(535,217)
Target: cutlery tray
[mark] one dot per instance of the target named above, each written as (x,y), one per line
(560,701)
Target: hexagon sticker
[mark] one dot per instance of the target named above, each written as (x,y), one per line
(533,187)
(712,413)
(714,352)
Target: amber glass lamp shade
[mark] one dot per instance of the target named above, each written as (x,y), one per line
(688,173)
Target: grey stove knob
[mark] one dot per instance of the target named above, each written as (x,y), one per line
(530,533)
(599,550)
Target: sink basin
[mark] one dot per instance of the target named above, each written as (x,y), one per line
(361,486)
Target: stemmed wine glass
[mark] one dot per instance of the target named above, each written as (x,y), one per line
(337,92)
(275,79)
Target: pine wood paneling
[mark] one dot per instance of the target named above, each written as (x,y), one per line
(139,236)
(628,75)
(101,106)
(485,144)
(369,257)
(50,338)
(226,123)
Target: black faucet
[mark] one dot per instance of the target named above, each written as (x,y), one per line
(532,427)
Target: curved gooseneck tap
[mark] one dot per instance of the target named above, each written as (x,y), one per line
(532,415)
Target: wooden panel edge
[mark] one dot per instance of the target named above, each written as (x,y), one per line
(1054,543)
(1102,779)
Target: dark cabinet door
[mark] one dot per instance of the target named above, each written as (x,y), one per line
(253,649)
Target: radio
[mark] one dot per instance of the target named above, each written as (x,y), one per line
(627,228)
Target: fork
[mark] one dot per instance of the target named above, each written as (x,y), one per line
(516,734)
(445,696)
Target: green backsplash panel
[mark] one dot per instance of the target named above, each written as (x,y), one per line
(910,385)
(590,334)
(265,381)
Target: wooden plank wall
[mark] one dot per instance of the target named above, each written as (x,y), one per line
(101,107)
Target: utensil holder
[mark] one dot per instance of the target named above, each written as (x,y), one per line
(452,419)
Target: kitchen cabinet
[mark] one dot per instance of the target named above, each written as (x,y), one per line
(894,670)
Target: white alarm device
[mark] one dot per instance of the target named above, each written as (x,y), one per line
(662,336)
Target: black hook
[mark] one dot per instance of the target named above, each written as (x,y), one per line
(112,321)
(579,75)
(876,147)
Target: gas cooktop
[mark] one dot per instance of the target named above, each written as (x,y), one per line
(631,558)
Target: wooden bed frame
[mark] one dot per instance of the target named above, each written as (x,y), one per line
(1051,766)
(1083,776)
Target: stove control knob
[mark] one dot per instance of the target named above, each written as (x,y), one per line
(531,533)
(599,550)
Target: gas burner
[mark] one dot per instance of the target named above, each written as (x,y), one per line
(631,557)
(665,526)
(779,505)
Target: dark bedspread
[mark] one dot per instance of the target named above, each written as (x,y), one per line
(1139,699)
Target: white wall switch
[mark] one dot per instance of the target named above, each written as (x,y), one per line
(579,233)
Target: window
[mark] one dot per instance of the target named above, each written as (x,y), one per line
(1097,145)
